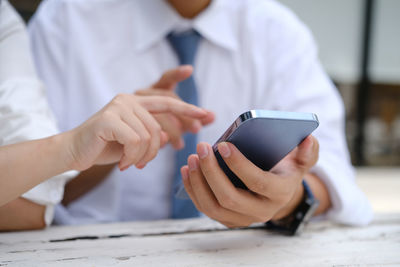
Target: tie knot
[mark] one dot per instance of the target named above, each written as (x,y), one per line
(185,45)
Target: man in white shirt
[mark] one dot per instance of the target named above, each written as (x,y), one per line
(252,55)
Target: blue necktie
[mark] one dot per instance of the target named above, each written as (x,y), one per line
(185,45)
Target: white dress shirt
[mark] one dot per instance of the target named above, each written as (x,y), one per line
(24,111)
(254,55)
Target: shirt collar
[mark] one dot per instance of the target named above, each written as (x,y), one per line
(154,19)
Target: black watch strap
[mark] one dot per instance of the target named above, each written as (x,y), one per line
(294,223)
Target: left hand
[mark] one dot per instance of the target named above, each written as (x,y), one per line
(273,194)
(175,126)
(124,131)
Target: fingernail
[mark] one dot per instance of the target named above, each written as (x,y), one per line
(224,149)
(192,164)
(184,174)
(202,151)
(123,168)
(140,165)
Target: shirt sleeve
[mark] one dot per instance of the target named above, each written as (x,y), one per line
(24,112)
(299,83)
(48,37)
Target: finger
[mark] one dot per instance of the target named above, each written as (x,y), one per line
(261,182)
(307,153)
(227,194)
(189,124)
(164,138)
(133,120)
(188,185)
(120,132)
(207,202)
(300,160)
(161,104)
(172,77)
(209,118)
(154,129)
(156,92)
(172,126)
(194,125)
(190,192)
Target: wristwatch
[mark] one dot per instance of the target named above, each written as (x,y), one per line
(294,223)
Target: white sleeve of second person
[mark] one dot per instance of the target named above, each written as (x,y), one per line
(24,112)
(47,39)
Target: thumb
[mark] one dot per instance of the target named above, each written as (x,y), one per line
(307,153)
(171,77)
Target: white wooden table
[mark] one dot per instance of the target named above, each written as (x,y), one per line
(202,242)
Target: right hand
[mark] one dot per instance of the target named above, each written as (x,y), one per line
(124,131)
(175,126)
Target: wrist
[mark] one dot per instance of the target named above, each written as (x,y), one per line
(294,222)
(291,205)
(62,151)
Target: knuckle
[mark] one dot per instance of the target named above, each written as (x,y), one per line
(228,202)
(135,140)
(146,138)
(107,115)
(170,100)
(157,128)
(119,98)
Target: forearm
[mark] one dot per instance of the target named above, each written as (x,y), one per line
(24,165)
(21,214)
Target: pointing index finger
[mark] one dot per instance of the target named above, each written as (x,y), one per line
(159,104)
(171,77)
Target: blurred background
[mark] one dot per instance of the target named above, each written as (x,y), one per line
(359,45)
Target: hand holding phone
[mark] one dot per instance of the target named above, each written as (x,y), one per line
(264,137)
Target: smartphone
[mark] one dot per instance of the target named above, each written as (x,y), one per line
(264,137)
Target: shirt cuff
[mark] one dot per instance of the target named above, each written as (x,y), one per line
(50,193)
(349,204)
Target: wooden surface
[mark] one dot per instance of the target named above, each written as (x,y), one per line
(382,187)
(202,242)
